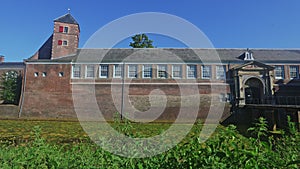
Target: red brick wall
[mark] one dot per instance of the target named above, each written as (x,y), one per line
(48,96)
(72,37)
(51,96)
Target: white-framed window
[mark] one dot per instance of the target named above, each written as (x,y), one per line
(162,71)
(90,71)
(65,43)
(76,71)
(118,71)
(279,72)
(147,71)
(220,72)
(103,71)
(132,71)
(66,29)
(206,72)
(294,72)
(191,71)
(177,71)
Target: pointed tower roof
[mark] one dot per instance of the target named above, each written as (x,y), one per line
(67,18)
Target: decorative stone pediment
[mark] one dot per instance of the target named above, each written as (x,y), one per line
(253,65)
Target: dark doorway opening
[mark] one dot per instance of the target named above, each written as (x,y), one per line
(254,91)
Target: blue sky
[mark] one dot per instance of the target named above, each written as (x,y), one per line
(25,25)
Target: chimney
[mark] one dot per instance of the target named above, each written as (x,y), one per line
(1,58)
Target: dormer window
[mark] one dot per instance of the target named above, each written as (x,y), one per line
(248,55)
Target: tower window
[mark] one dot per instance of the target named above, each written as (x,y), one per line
(66,29)
(65,43)
(63,29)
(59,42)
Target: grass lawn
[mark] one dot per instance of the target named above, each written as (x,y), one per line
(21,131)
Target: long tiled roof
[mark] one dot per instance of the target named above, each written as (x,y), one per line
(181,54)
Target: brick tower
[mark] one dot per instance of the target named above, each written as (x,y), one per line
(65,36)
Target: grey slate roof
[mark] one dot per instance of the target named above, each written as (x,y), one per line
(267,56)
(67,18)
(12,65)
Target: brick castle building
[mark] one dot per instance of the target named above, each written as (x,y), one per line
(240,77)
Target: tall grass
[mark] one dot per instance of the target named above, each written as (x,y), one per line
(225,149)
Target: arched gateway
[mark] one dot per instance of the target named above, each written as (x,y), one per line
(252,83)
(254,91)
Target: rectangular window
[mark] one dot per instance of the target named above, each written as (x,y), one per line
(65,43)
(44,74)
(59,42)
(103,71)
(206,72)
(90,71)
(162,71)
(220,72)
(279,72)
(118,71)
(177,71)
(191,71)
(60,74)
(132,71)
(76,71)
(61,28)
(36,74)
(66,29)
(294,72)
(147,71)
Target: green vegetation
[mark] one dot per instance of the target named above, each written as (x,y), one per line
(141,41)
(10,87)
(46,148)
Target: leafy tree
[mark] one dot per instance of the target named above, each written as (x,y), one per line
(141,41)
(9,84)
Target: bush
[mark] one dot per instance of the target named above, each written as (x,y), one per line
(10,87)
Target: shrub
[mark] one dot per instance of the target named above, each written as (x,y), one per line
(10,87)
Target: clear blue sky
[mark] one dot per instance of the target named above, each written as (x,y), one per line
(25,25)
